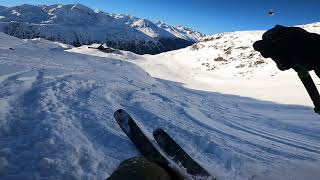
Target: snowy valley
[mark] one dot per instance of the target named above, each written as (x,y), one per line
(229,108)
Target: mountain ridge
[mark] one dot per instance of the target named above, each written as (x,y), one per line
(78,25)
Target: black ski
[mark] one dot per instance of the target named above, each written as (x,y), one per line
(143,143)
(178,154)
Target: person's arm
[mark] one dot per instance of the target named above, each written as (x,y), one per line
(293,47)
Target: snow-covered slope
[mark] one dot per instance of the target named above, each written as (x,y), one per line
(227,63)
(77,25)
(56,118)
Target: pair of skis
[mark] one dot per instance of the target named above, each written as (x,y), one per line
(174,159)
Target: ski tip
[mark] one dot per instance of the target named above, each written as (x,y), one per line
(157,132)
(121,115)
(121,112)
(123,119)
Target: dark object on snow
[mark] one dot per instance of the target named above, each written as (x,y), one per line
(177,154)
(294,47)
(11,48)
(103,48)
(139,168)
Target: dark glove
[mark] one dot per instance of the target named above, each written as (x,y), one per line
(290,47)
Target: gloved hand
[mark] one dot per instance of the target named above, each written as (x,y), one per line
(294,47)
(290,47)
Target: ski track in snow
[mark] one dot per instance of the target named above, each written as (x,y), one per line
(57,121)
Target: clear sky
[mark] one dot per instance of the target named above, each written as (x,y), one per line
(207,16)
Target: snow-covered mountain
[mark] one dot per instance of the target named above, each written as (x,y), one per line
(181,32)
(78,25)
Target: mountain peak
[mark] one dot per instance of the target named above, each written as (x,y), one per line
(78,24)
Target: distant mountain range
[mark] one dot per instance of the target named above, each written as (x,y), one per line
(77,25)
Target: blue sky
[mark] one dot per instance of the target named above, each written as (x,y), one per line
(208,16)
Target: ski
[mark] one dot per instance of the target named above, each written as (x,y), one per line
(143,143)
(173,150)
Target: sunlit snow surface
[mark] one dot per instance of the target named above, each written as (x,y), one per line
(56,118)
